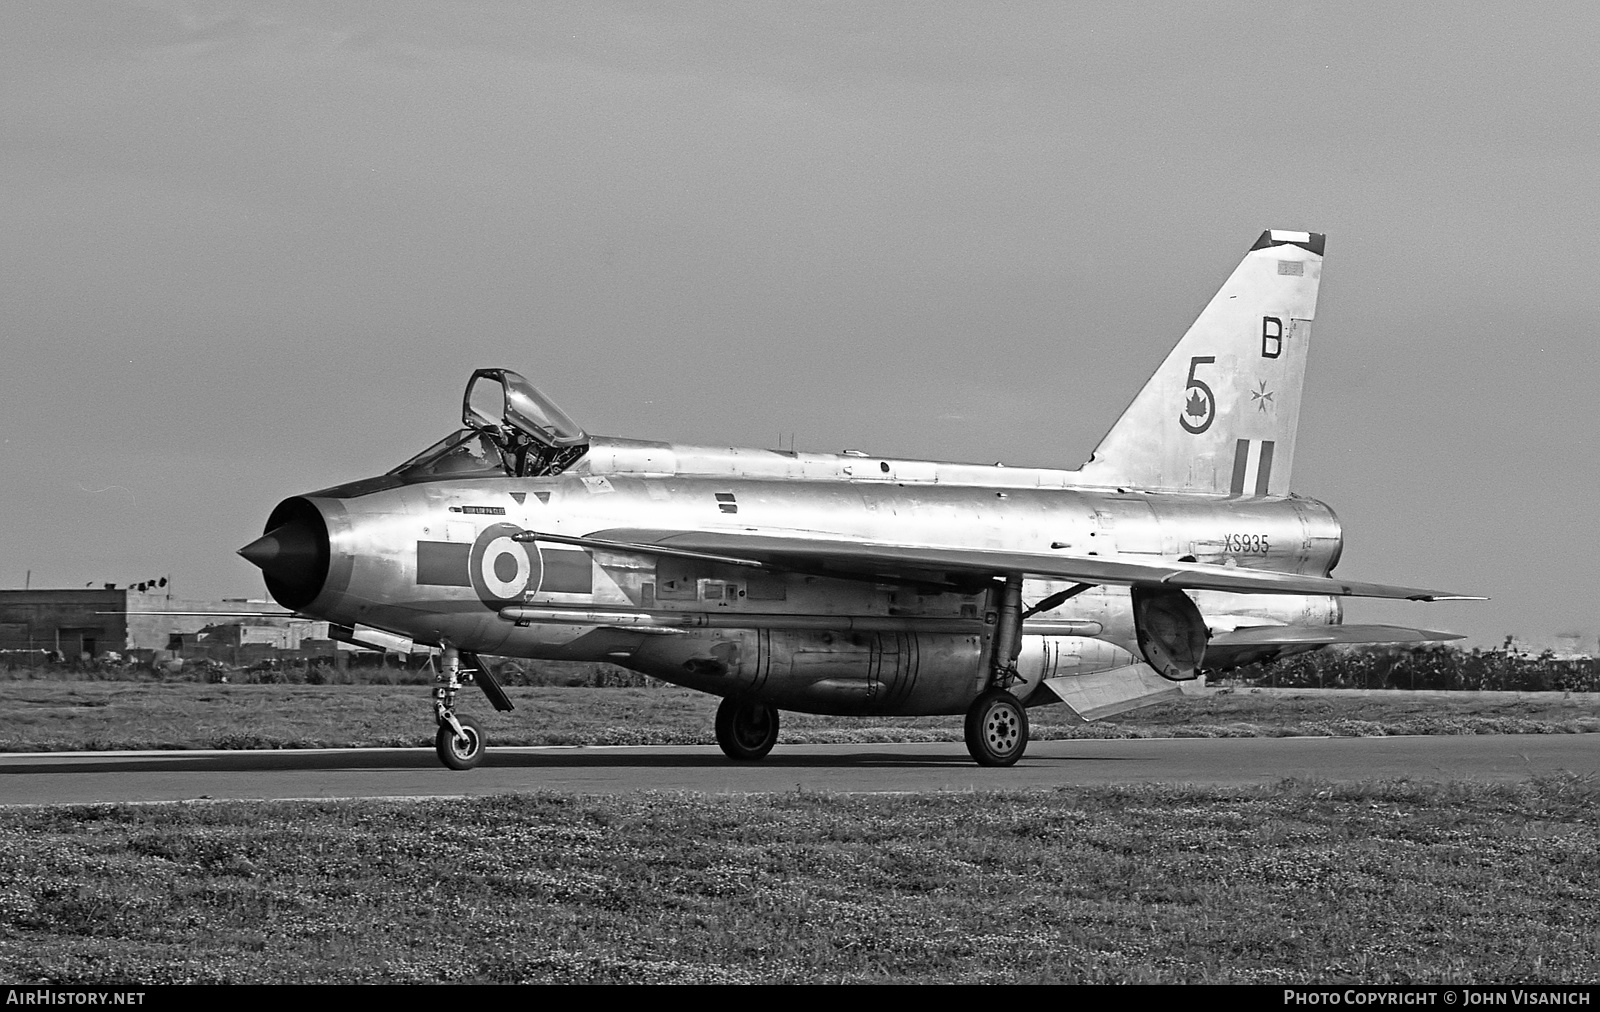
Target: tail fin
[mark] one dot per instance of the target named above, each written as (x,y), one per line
(1220,413)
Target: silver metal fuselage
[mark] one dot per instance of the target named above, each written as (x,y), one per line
(435,562)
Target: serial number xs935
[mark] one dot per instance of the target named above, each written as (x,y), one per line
(1246,544)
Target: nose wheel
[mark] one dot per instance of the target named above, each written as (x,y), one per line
(459,749)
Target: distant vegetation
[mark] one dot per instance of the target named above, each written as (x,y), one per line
(363,669)
(1424,668)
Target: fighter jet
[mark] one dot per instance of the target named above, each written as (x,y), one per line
(853,584)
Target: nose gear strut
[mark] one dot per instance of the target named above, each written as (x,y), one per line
(459,743)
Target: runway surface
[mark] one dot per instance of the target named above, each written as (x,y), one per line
(83,777)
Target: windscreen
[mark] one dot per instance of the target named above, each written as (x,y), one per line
(463,454)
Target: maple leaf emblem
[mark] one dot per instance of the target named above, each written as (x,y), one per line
(1197,406)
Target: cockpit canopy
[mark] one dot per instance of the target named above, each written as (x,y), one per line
(512,430)
(508,404)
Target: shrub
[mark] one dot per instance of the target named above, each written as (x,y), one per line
(1433,667)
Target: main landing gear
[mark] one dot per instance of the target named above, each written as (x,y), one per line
(746,729)
(997,729)
(997,722)
(459,743)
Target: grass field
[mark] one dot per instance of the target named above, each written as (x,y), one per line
(1381,882)
(57,716)
(1390,882)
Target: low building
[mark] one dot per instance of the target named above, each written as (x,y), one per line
(129,621)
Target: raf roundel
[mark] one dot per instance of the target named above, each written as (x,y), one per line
(503,570)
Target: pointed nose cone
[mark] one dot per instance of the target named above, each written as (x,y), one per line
(288,554)
(262,552)
(294,553)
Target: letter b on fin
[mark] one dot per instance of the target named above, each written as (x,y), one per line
(1271,337)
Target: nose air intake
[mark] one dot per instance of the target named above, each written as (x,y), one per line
(292,554)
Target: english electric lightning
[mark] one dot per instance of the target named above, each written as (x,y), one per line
(854,584)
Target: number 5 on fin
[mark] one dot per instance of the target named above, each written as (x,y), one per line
(1202,403)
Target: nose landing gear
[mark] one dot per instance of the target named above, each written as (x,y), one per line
(459,743)
(460,746)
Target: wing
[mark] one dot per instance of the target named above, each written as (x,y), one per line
(964,567)
(1248,644)
(1325,635)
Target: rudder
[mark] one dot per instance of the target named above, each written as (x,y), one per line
(1220,414)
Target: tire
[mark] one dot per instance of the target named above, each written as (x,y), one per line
(456,754)
(746,730)
(997,729)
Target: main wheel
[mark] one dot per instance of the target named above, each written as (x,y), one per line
(997,729)
(745,729)
(459,753)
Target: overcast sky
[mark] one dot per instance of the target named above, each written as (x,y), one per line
(252,249)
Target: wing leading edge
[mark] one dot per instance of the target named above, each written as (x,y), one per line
(1326,635)
(923,564)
